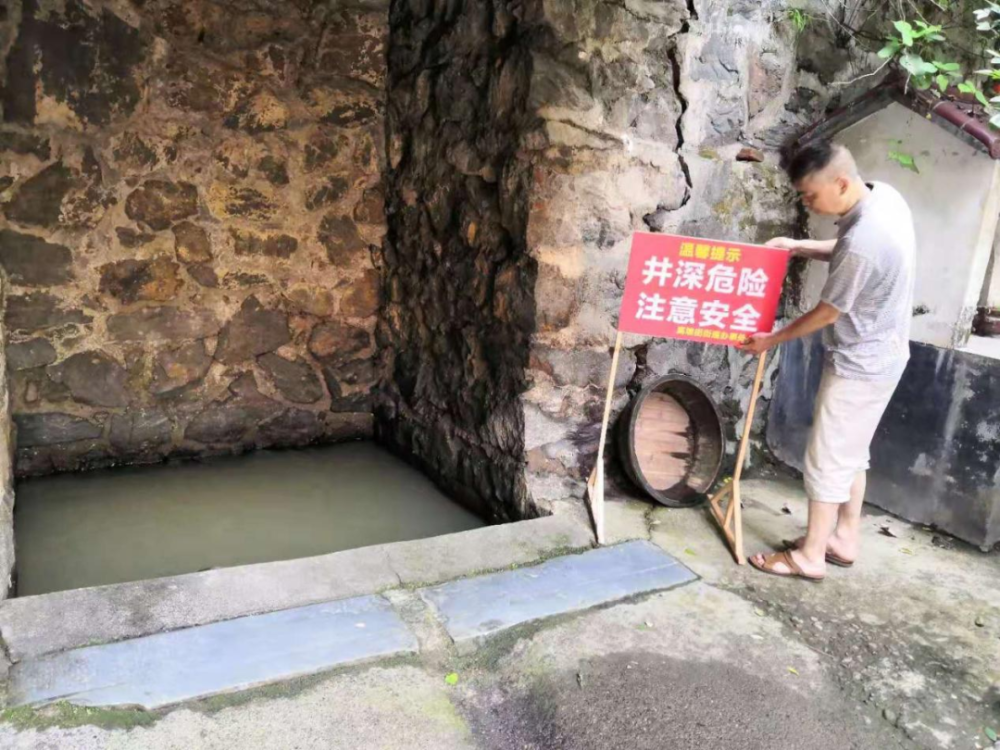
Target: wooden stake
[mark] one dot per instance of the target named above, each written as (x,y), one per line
(595,486)
(732,521)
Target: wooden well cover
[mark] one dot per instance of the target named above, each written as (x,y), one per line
(671,441)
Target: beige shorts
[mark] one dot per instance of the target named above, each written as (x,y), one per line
(844,422)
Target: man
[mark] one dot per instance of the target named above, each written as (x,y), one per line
(864,313)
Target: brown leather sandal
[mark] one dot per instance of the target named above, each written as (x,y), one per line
(789,544)
(785,556)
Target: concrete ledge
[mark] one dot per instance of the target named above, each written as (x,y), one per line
(49,623)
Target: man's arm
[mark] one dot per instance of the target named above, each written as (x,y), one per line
(812,249)
(815,320)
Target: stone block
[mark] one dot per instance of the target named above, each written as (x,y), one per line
(557,298)
(336,343)
(316,301)
(362,299)
(290,427)
(339,235)
(31,261)
(140,430)
(767,72)
(26,143)
(355,46)
(38,201)
(269,246)
(582,367)
(130,238)
(84,61)
(240,202)
(163,324)
(131,281)
(53,428)
(38,311)
(327,194)
(93,378)
(322,149)
(294,379)
(220,423)
(159,203)
(26,355)
(371,207)
(132,150)
(274,169)
(204,274)
(178,368)
(191,243)
(252,331)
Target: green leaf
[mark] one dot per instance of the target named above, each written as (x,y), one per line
(947,67)
(916,65)
(995,120)
(904,160)
(452,679)
(889,50)
(991,733)
(966,88)
(981,98)
(905,31)
(942,82)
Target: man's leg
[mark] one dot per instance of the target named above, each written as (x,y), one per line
(846,540)
(828,475)
(811,557)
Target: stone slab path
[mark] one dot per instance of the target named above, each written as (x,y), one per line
(163,669)
(181,665)
(477,607)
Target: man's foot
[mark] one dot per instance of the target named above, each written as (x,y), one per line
(788,564)
(838,551)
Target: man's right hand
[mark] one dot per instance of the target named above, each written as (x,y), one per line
(784,243)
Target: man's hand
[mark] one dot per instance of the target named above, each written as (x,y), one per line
(760,343)
(784,243)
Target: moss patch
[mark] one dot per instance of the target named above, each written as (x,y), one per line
(66,716)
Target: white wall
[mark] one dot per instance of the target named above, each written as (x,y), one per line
(955,199)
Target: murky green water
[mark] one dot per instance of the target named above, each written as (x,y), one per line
(89,529)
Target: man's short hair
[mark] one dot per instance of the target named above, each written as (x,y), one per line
(818,156)
(809,158)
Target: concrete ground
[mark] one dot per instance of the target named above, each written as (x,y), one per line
(903,651)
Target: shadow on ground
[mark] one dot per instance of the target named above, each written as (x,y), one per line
(645,701)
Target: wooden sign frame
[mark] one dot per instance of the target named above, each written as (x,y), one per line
(730,519)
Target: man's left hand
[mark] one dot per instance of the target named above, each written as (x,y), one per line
(759,343)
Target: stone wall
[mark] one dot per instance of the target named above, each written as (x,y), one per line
(458,278)
(6,476)
(189,197)
(527,141)
(656,116)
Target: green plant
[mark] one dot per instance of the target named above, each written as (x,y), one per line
(799,19)
(903,159)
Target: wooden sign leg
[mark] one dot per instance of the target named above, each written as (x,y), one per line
(595,486)
(732,521)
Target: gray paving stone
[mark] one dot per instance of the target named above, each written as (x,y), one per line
(476,607)
(168,668)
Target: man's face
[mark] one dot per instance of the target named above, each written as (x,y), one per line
(822,194)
